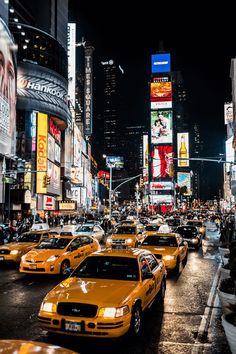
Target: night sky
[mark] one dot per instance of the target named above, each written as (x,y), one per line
(201,44)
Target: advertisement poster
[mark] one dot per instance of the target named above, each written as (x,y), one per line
(57,153)
(54,174)
(161,63)
(42,149)
(184,180)
(162,161)
(161,127)
(183,149)
(161,91)
(7,91)
(51,148)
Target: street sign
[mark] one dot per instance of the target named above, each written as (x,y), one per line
(8,180)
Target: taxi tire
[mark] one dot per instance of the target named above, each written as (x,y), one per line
(136,321)
(162,291)
(176,270)
(65,265)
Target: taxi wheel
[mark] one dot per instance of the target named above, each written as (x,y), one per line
(176,270)
(136,321)
(64,266)
(162,291)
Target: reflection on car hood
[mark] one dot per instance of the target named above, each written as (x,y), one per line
(106,292)
(18,246)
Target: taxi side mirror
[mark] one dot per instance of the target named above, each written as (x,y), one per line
(139,243)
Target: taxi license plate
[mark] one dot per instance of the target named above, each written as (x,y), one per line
(72,326)
(32,266)
(1,258)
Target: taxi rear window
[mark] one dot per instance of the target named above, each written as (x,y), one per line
(160,241)
(125,230)
(116,268)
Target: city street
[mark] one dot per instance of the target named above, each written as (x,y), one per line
(189,322)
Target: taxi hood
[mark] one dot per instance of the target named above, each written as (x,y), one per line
(18,246)
(104,292)
(41,255)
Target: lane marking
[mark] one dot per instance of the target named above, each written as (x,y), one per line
(202,330)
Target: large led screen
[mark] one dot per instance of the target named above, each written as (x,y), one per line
(161,63)
(161,91)
(162,161)
(161,127)
(7,91)
(228,113)
(184,180)
(183,149)
(116,162)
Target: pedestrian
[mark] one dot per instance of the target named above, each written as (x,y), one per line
(61,223)
(1,236)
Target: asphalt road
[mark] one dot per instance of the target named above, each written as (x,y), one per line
(189,321)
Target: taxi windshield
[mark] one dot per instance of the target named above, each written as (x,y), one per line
(116,268)
(29,238)
(85,228)
(160,241)
(125,230)
(187,232)
(152,227)
(53,243)
(196,223)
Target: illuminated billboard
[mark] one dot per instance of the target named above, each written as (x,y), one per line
(162,161)
(161,91)
(161,105)
(161,199)
(71,51)
(184,180)
(116,162)
(51,148)
(54,173)
(7,91)
(41,153)
(183,149)
(229,152)
(161,63)
(161,186)
(161,127)
(228,113)
(145,157)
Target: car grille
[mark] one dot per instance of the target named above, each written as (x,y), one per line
(158,256)
(34,270)
(5,251)
(118,242)
(76,309)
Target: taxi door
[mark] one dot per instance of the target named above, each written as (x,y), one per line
(148,289)
(157,270)
(77,251)
(182,247)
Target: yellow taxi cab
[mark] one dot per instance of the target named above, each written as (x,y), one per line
(151,229)
(126,235)
(56,255)
(199,224)
(170,247)
(106,295)
(17,346)
(13,251)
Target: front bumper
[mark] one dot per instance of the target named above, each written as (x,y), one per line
(86,327)
(39,268)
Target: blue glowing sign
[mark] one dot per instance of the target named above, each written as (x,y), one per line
(161,63)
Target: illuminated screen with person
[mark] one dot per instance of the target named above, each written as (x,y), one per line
(7,91)
(161,123)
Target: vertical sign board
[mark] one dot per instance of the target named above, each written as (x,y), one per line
(41,152)
(88,112)
(71,51)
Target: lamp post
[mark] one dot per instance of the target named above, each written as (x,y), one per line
(137,197)
(110,189)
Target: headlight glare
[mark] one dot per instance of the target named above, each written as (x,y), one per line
(129,242)
(52,258)
(113,312)
(15,252)
(169,258)
(48,307)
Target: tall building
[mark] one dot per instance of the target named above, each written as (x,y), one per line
(110,107)
(42,114)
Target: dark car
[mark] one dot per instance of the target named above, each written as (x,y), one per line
(191,235)
(173,223)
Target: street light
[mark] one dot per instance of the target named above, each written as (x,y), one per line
(137,197)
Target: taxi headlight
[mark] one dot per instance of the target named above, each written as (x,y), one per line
(109,241)
(48,307)
(23,258)
(129,242)
(52,258)
(113,312)
(194,241)
(15,252)
(201,229)
(169,258)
